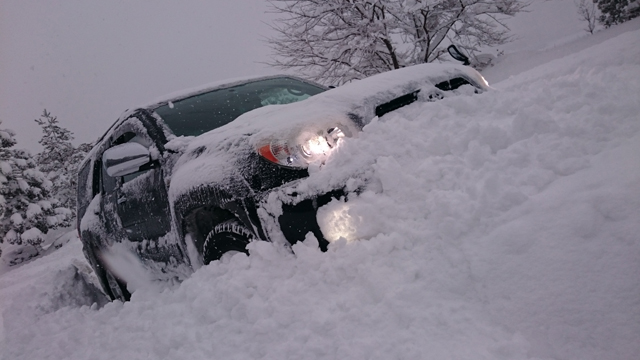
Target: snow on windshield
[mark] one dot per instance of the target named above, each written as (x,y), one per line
(200,113)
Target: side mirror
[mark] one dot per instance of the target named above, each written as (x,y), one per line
(458,55)
(125,159)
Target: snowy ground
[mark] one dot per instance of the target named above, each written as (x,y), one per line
(499,226)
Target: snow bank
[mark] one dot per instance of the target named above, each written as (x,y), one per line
(498,226)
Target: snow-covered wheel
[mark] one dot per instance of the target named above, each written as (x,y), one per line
(228,236)
(117,288)
(112,287)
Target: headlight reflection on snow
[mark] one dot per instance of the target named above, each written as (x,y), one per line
(336,221)
(485,80)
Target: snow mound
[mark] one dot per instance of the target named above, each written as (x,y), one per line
(495,226)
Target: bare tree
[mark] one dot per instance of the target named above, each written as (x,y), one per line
(588,12)
(336,41)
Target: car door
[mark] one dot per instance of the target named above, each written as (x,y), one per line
(139,200)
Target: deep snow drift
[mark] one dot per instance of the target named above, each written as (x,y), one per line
(499,226)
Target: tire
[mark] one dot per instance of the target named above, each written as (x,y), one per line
(117,288)
(230,235)
(114,288)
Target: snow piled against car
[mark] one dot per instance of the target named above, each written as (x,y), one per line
(497,226)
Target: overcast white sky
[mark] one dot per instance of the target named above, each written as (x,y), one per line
(86,61)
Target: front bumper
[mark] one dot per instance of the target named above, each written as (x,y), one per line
(298,220)
(288,218)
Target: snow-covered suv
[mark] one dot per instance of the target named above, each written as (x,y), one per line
(180,182)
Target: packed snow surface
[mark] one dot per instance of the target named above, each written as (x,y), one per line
(504,225)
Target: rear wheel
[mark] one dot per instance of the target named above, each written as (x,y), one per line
(228,236)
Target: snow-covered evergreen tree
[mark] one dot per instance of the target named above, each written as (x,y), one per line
(59,159)
(27,212)
(7,141)
(617,11)
(336,41)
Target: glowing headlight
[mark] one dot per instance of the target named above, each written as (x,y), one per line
(303,149)
(314,146)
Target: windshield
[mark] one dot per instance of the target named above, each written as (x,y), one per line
(200,113)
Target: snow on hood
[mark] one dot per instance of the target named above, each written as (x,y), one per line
(210,157)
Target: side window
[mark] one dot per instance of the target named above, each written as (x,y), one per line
(452,84)
(96,184)
(85,189)
(108,183)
